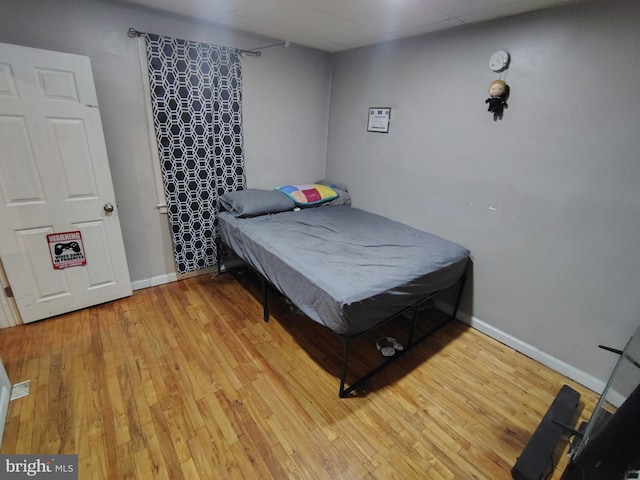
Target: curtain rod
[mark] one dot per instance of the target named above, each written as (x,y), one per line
(132,32)
(254,52)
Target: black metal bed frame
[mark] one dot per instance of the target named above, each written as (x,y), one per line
(413,309)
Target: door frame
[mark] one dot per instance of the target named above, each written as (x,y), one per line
(5,397)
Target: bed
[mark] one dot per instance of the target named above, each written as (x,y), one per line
(343,267)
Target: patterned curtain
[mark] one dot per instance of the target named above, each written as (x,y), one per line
(196,95)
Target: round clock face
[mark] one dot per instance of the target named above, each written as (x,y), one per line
(499,61)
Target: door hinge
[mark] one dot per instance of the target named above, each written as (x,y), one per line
(8,292)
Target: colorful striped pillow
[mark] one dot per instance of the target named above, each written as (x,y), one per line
(310,194)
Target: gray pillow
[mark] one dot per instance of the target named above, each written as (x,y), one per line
(334,185)
(253,202)
(341,189)
(344,198)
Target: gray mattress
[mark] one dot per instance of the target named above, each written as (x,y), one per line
(343,267)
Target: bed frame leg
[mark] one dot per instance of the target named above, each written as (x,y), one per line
(265,299)
(218,254)
(414,320)
(345,358)
(463,280)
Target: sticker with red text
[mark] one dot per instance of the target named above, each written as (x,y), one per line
(66,249)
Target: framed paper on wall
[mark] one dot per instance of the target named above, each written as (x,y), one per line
(379,119)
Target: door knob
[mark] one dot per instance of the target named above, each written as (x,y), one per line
(108,207)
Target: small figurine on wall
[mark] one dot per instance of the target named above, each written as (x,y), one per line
(498,95)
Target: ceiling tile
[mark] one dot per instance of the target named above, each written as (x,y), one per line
(508,9)
(434,27)
(204,9)
(457,8)
(300,38)
(296,17)
(384,15)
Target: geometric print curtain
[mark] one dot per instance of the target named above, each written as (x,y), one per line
(196,96)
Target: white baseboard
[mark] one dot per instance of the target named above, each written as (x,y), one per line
(154,281)
(173,277)
(563,368)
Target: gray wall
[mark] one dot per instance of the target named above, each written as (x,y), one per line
(547,199)
(286,105)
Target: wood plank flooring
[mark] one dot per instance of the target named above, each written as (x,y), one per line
(185,381)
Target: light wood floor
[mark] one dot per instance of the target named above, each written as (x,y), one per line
(185,381)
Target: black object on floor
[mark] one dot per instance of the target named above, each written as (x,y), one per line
(536,460)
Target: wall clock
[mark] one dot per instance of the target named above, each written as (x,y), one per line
(499,61)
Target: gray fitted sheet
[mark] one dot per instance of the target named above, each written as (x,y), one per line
(345,268)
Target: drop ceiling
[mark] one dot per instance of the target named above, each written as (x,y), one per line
(335,25)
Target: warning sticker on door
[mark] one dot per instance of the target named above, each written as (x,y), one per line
(66,249)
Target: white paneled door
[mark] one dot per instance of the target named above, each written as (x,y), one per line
(60,242)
